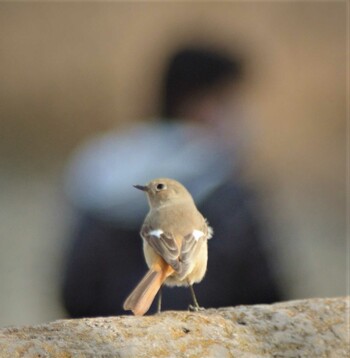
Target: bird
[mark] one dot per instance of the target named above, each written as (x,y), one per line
(175,247)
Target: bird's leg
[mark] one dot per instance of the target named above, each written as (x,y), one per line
(194,298)
(195,306)
(159,306)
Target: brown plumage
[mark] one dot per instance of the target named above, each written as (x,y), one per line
(175,238)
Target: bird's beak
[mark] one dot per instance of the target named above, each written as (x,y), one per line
(141,187)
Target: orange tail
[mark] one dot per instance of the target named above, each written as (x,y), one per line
(141,298)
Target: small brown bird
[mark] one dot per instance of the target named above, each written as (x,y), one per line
(175,246)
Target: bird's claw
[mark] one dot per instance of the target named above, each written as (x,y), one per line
(195,308)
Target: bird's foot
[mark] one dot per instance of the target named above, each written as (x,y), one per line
(192,308)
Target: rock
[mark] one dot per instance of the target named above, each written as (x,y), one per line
(304,328)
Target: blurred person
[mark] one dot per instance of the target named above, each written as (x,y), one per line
(196,141)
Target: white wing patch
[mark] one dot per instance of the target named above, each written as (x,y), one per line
(156,233)
(210,232)
(197,234)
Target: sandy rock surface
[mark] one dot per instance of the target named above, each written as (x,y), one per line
(303,328)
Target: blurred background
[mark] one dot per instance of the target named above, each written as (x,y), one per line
(70,71)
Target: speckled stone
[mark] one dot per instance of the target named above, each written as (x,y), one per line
(304,328)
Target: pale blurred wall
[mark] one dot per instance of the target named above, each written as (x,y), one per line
(70,70)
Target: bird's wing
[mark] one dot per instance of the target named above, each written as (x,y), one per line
(191,245)
(178,256)
(164,244)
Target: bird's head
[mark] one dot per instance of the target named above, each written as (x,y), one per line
(162,191)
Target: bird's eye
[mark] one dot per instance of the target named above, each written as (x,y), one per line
(161,186)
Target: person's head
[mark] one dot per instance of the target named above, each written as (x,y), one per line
(197,82)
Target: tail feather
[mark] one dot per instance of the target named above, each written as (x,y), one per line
(141,298)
